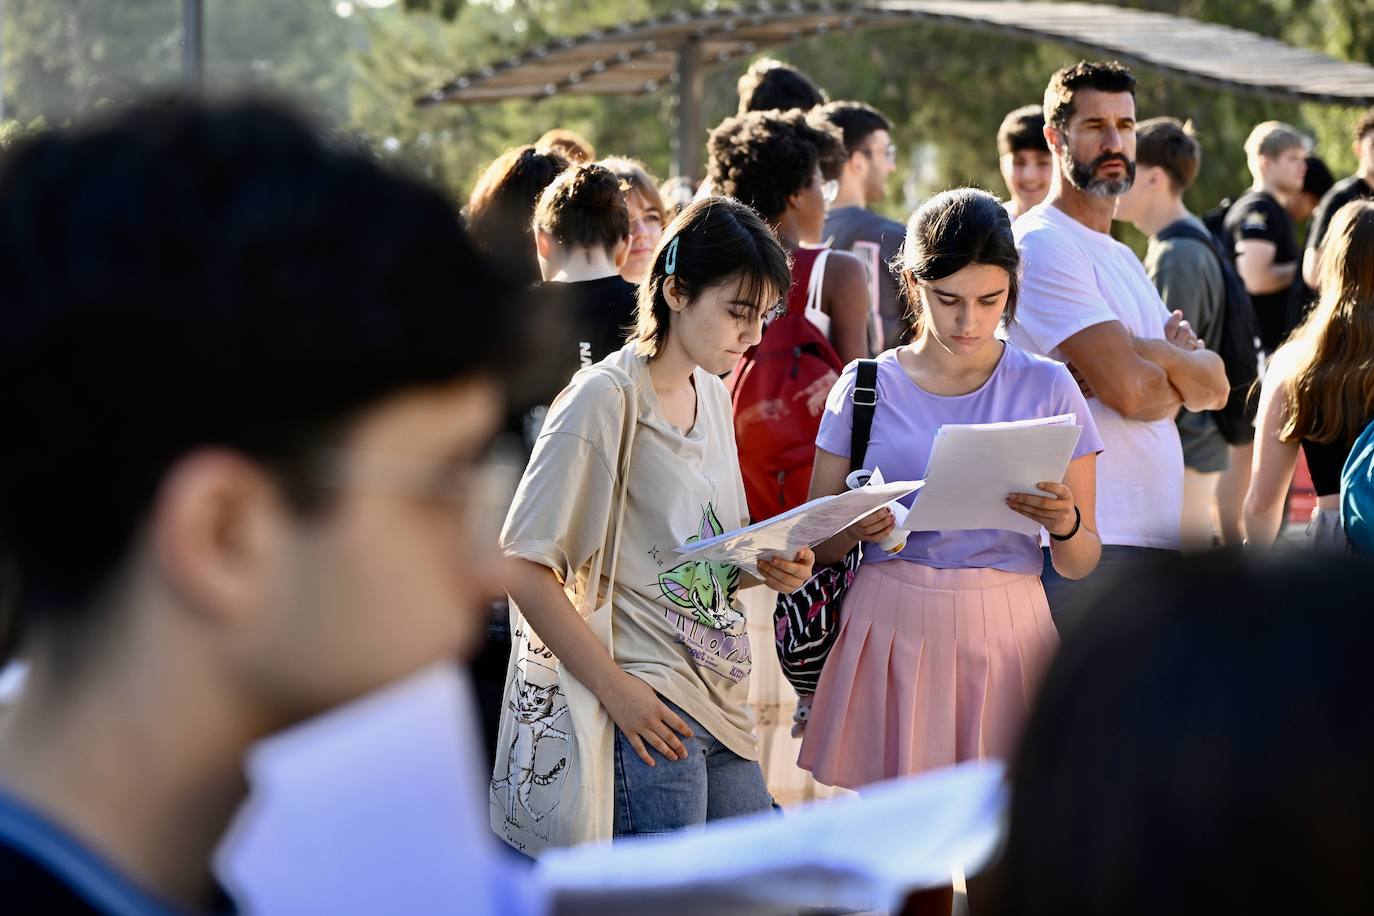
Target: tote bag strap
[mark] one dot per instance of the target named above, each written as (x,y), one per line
(591,594)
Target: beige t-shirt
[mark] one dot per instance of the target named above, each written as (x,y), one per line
(677,626)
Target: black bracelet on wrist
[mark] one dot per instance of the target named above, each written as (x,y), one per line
(1077,520)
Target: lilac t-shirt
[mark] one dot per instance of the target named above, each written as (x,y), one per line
(1024,386)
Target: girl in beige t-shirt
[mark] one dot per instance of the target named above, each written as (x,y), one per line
(677,686)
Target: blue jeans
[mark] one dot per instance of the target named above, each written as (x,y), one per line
(712,783)
(1072,600)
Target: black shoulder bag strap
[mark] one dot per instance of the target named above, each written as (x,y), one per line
(864,397)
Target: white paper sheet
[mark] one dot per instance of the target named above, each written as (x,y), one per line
(805,526)
(864,853)
(376,807)
(973,467)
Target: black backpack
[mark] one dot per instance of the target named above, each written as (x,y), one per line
(1215,221)
(1237,339)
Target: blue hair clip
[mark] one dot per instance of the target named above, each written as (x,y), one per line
(670,257)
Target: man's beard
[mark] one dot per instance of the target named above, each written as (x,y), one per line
(1083,177)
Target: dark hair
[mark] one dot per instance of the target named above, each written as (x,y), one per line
(181,274)
(770,84)
(1169,144)
(1022,129)
(1108,76)
(715,240)
(949,232)
(584,207)
(1196,747)
(500,210)
(856,121)
(1364,125)
(1317,180)
(567,143)
(635,179)
(764,157)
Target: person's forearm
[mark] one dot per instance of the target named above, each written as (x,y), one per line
(1078,556)
(834,549)
(541,598)
(1199,376)
(1263,518)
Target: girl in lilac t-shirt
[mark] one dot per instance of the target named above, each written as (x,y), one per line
(941,645)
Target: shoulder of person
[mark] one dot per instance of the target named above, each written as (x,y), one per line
(844,264)
(1033,366)
(1183,253)
(593,400)
(1037,233)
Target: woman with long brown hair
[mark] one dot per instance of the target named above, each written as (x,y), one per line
(1318,391)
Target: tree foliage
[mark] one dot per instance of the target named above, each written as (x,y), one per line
(945,89)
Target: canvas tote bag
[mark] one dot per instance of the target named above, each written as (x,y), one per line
(554,777)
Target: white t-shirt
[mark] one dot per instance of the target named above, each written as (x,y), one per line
(1074,277)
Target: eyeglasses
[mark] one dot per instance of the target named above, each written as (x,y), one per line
(890,152)
(478,493)
(830,190)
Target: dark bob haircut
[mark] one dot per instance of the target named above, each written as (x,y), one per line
(1197,747)
(714,240)
(948,233)
(764,157)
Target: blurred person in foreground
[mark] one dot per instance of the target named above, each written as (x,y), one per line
(253,413)
(1024,158)
(1199,749)
(870,159)
(1318,389)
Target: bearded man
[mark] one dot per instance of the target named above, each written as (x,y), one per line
(1086,300)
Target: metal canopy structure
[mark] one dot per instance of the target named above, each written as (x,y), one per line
(641,57)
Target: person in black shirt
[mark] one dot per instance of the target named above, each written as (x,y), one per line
(1266,247)
(247,417)
(582,234)
(1359,186)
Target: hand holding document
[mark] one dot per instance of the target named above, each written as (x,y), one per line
(974,466)
(805,526)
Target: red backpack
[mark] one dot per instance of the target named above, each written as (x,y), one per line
(778,391)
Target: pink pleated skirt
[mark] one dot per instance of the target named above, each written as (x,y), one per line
(931,667)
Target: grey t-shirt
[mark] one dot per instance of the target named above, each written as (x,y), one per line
(1188,277)
(876,240)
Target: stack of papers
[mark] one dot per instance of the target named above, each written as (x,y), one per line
(974,467)
(805,526)
(865,853)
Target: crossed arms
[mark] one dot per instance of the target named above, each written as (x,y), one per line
(1147,379)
